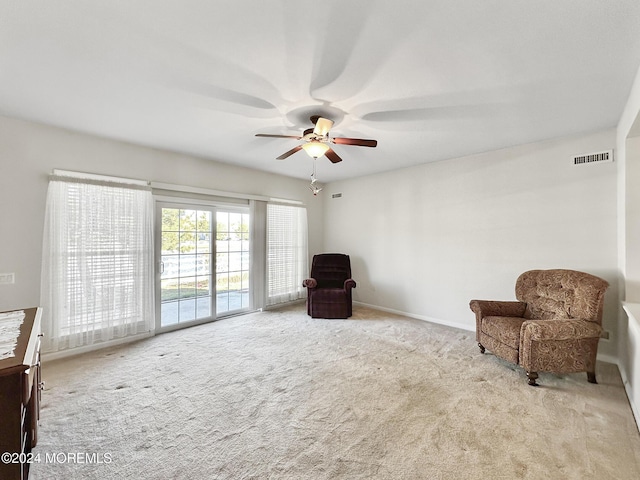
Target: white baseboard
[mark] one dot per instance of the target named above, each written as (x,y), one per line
(275,306)
(72,352)
(438,321)
(606,358)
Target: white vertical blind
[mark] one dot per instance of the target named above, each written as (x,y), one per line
(97,274)
(287,253)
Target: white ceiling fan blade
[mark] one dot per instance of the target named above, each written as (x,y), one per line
(323,125)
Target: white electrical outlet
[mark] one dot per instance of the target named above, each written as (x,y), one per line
(7,278)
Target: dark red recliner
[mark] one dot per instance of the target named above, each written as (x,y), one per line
(329,288)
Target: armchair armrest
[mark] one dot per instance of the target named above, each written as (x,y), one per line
(492,308)
(310,283)
(561,345)
(349,283)
(560,329)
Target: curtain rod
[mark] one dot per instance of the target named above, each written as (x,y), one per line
(205,191)
(218,193)
(172,187)
(95,176)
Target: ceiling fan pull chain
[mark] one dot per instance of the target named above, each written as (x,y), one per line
(313,187)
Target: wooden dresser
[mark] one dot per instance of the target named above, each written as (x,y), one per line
(20,387)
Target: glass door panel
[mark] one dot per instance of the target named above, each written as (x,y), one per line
(185,265)
(232,261)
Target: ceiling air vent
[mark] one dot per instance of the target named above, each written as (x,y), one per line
(606,156)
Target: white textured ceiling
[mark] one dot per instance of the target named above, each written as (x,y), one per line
(429,79)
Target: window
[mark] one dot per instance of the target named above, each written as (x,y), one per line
(211,260)
(287,253)
(97,279)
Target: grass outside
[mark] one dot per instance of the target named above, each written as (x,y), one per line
(176,291)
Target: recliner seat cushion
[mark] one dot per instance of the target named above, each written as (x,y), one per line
(329,295)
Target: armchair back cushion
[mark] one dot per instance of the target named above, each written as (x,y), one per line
(558,294)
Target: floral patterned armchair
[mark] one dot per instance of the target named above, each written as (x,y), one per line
(553,327)
(329,288)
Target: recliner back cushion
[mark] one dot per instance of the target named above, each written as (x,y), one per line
(560,293)
(331,270)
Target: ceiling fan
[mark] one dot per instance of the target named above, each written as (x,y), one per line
(316,140)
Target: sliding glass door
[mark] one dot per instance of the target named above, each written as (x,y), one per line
(203,263)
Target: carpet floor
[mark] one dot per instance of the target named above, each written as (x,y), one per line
(278,395)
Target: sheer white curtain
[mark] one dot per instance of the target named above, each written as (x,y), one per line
(97,265)
(287,253)
(258,253)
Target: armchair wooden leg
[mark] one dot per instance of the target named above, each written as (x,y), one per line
(591,377)
(532,376)
(482,349)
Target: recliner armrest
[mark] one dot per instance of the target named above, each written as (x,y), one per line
(559,329)
(310,283)
(493,308)
(349,283)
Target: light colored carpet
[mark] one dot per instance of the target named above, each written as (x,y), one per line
(278,395)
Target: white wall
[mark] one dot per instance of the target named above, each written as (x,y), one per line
(29,152)
(632,215)
(628,144)
(427,239)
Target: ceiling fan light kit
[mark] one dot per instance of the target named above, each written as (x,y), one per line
(315,148)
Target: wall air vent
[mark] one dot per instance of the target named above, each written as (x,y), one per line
(336,195)
(598,157)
